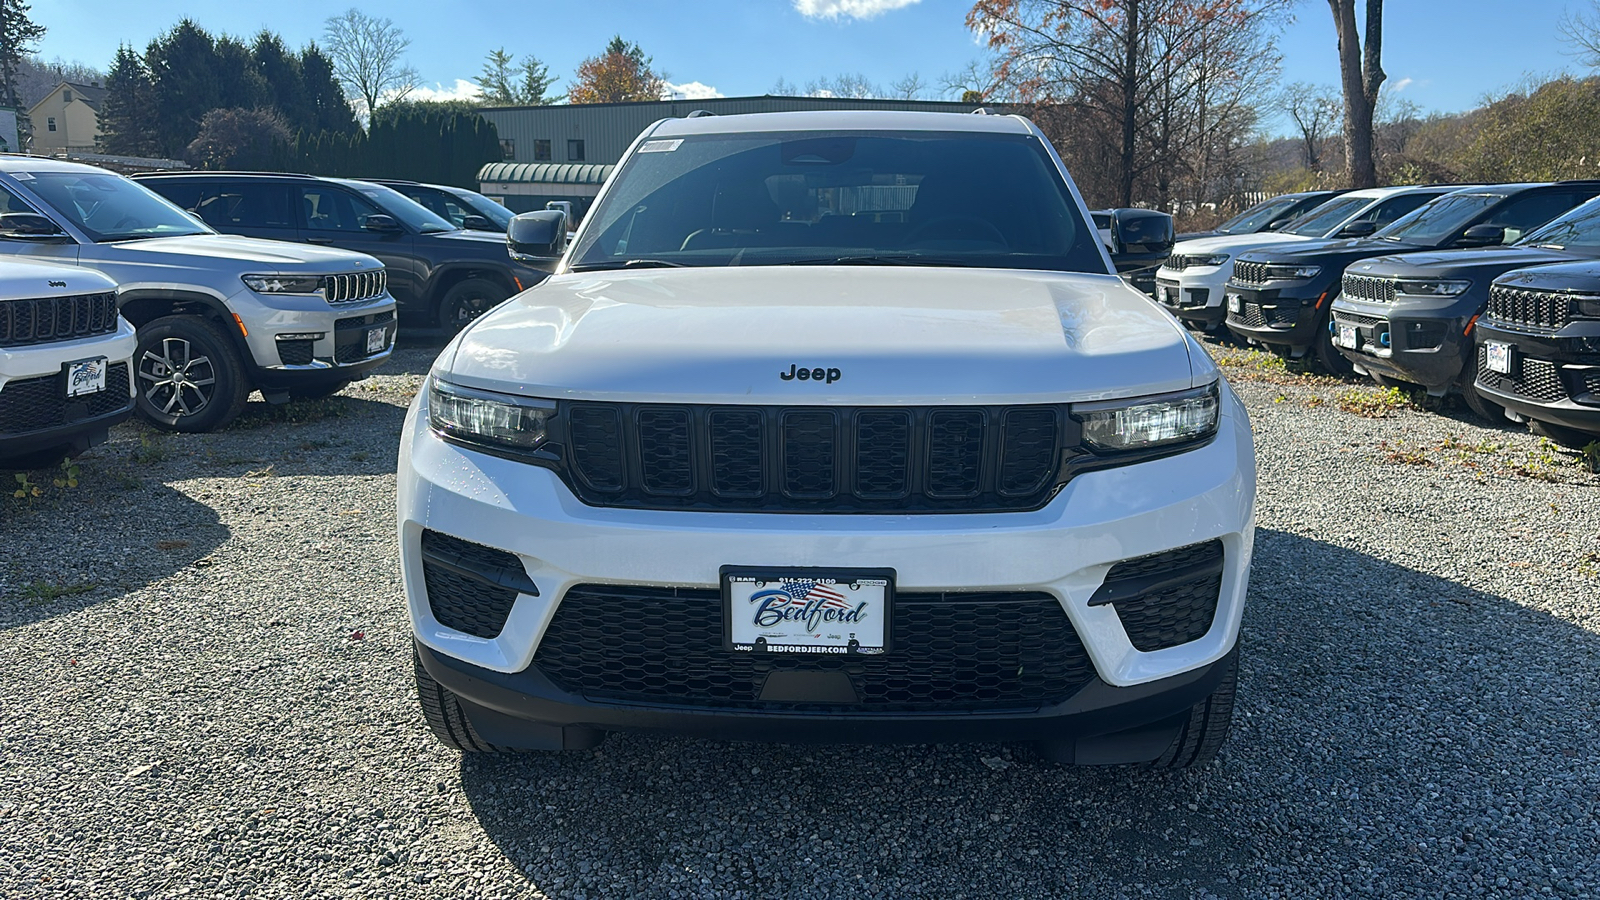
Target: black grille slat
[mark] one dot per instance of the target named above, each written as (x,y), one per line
(1368,288)
(39,321)
(1535,379)
(1250,272)
(354,287)
(809,452)
(951,652)
(955,453)
(883,454)
(1028,450)
(595,436)
(666,464)
(1177,262)
(736,453)
(1176,613)
(1530,309)
(350,336)
(36,404)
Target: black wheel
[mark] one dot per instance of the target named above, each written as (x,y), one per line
(189,375)
(318,391)
(446,717)
(1485,409)
(1328,356)
(1570,438)
(467,301)
(1203,735)
(1386,381)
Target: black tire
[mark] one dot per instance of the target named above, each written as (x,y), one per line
(1484,408)
(467,301)
(1387,382)
(318,391)
(1328,356)
(210,386)
(1203,735)
(1570,438)
(445,716)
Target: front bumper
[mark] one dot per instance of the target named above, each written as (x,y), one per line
(1555,377)
(1064,550)
(326,345)
(38,414)
(1195,294)
(1429,347)
(1285,317)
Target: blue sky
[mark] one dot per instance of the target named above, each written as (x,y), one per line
(1441,54)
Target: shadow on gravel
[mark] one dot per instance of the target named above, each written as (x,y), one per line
(78,548)
(1398,734)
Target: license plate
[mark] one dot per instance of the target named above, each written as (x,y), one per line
(1499,357)
(1235,303)
(86,376)
(823,612)
(376,340)
(1347,336)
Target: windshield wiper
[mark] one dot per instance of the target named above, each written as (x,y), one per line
(1550,246)
(627,264)
(888,259)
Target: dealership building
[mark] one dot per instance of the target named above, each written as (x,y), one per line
(565,152)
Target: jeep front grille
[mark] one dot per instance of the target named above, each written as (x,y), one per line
(1177,262)
(814,459)
(35,404)
(1532,309)
(25,322)
(1250,272)
(1368,288)
(354,287)
(1535,379)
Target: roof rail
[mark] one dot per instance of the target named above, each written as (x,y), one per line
(700,114)
(230,172)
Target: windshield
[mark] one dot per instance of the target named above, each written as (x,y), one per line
(1577,230)
(1259,216)
(846,197)
(414,215)
(108,207)
(1324,219)
(1438,220)
(485,207)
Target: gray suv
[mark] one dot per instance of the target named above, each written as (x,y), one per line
(217,315)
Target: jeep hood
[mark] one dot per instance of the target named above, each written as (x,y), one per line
(1234,243)
(1452,263)
(897,335)
(254,255)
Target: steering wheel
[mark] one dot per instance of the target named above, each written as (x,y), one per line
(129,221)
(964,226)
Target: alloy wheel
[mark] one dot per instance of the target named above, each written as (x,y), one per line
(175,380)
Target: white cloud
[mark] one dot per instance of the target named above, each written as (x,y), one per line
(853,9)
(462,90)
(690,90)
(1401,85)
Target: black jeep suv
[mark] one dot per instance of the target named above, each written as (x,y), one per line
(459,206)
(1410,318)
(439,274)
(1280,296)
(1268,215)
(1538,349)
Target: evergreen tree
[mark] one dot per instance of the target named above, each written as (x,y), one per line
(183,73)
(505,82)
(18,34)
(127,113)
(326,100)
(536,84)
(279,69)
(240,84)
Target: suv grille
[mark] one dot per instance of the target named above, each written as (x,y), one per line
(350,336)
(1368,288)
(354,287)
(1177,262)
(1537,309)
(814,458)
(1250,272)
(24,322)
(1535,379)
(979,651)
(475,605)
(35,404)
(1166,613)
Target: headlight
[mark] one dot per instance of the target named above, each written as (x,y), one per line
(1148,422)
(1431,287)
(283,284)
(481,417)
(1292,273)
(1214,260)
(1588,307)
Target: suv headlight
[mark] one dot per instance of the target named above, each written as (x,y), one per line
(1431,287)
(1215,259)
(1292,273)
(1588,307)
(1147,422)
(482,417)
(283,284)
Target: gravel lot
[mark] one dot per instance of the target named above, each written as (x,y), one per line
(208,693)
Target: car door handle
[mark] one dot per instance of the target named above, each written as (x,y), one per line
(315,239)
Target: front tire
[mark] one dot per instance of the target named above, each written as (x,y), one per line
(1570,438)
(1484,408)
(189,375)
(446,717)
(467,301)
(1206,729)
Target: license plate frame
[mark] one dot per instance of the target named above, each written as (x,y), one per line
(377,339)
(1497,356)
(1349,337)
(762,587)
(86,376)
(1235,302)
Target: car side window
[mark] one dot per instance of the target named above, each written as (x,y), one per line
(1395,207)
(332,209)
(229,206)
(435,204)
(1524,214)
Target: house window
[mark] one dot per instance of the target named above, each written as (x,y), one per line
(574,151)
(541,151)
(50,123)
(66,96)
(508,148)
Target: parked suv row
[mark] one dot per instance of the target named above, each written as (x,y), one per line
(438,273)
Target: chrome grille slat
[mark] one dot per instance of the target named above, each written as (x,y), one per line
(354,287)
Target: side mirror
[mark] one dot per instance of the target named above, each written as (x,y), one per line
(28,225)
(1357,230)
(1277,224)
(540,235)
(1141,231)
(1482,236)
(478,223)
(381,224)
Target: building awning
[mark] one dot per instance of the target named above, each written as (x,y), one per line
(544,173)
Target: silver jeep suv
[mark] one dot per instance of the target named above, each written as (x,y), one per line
(217,315)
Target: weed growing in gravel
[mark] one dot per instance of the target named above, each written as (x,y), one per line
(151,449)
(1590,454)
(1401,452)
(41,591)
(1373,403)
(295,412)
(26,489)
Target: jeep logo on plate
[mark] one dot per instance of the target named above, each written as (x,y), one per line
(795,372)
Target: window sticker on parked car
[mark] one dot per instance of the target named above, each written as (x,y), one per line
(660,146)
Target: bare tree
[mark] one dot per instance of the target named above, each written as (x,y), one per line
(368,56)
(909,87)
(856,87)
(1580,31)
(783,87)
(1315,110)
(1361,73)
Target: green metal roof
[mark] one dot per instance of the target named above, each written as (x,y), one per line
(544,173)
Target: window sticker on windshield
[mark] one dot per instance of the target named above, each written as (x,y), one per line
(659,146)
(22,176)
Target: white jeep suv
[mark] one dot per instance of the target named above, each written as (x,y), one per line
(830,426)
